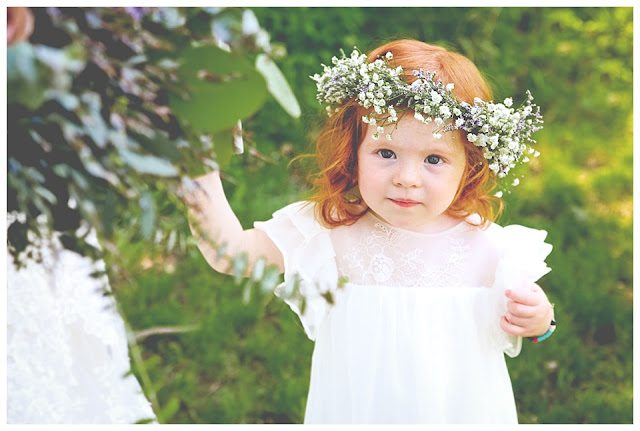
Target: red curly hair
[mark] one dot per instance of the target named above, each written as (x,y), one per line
(335,194)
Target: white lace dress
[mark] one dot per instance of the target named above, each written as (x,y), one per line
(413,336)
(67,352)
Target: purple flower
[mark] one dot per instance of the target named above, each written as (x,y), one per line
(137,12)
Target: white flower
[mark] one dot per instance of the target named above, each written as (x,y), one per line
(418,116)
(439,121)
(375,136)
(457,112)
(380,129)
(437,135)
(389,55)
(365,120)
(498,195)
(435,96)
(508,101)
(444,110)
(449,87)
(459,122)
(471,137)
(389,136)
(482,140)
(516,182)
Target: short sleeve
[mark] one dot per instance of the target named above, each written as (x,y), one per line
(310,273)
(521,263)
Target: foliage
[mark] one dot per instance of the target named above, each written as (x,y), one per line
(249,359)
(110,110)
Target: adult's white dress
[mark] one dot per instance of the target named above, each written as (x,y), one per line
(67,351)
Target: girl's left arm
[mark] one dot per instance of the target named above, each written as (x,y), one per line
(529,312)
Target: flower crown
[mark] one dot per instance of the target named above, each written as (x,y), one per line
(500,130)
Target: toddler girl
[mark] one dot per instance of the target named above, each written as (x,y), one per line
(410,291)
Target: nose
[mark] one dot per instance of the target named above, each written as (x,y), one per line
(407,175)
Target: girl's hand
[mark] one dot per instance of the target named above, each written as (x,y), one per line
(529,312)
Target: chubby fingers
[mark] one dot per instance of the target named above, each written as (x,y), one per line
(530,296)
(511,328)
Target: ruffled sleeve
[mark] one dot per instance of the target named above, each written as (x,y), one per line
(521,263)
(310,273)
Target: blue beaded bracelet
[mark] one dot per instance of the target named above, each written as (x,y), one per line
(546,334)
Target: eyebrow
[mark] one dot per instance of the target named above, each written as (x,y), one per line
(445,148)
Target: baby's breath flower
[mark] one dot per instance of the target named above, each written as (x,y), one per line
(500,130)
(437,135)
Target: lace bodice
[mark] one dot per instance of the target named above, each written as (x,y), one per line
(371,252)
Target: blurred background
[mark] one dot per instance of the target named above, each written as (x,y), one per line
(210,348)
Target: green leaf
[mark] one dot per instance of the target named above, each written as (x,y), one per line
(277,85)
(258,270)
(26,80)
(148,214)
(223,147)
(46,194)
(171,408)
(221,88)
(146,164)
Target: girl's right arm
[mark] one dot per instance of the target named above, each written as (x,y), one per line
(213,223)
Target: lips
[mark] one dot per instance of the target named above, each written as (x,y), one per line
(405,203)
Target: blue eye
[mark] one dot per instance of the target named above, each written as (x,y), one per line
(434,160)
(386,154)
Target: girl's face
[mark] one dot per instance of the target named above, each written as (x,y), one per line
(410,181)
